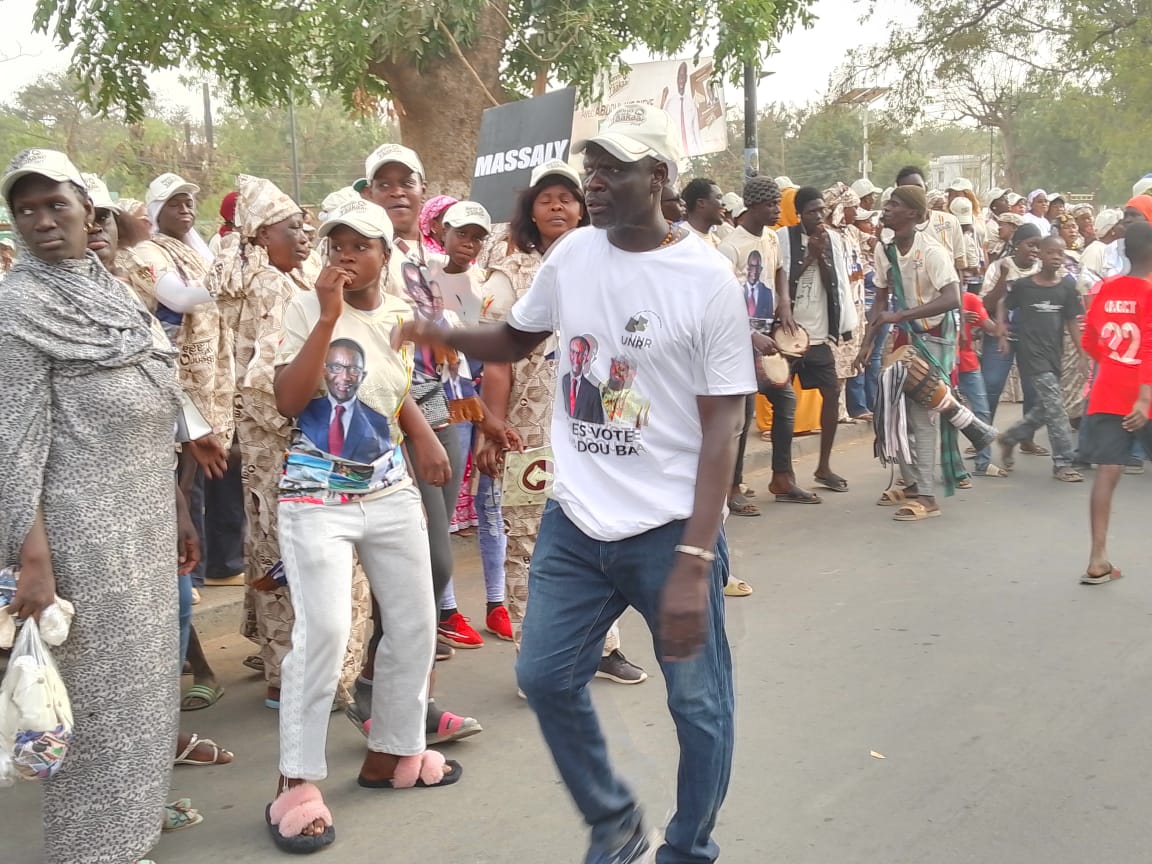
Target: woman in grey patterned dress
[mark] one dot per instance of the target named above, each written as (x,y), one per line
(87,404)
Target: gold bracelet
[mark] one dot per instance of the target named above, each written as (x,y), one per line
(697,552)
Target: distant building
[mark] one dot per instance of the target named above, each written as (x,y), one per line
(944,169)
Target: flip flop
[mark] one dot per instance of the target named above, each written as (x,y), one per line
(419,772)
(966,483)
(1113,573)
(914,511)
(180,815)
(253,662)
(1035,449)
(195,741)
(991,471)
(739,506)
(796,495)
(451,727)
(736,587)
(892,498)
(1069,475)
(294,810)
(200,696)
(747,491)
(834,482)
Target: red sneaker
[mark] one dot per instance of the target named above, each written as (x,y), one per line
(499,624)
(456,631)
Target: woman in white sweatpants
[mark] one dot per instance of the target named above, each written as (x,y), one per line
(346,488)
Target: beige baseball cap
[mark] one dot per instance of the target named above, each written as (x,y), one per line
(961,184)
(635,131)
(961,208)
(46,163)
(386,153)
(865,187)
(333,201)
(167,185)
(98,192)
(554,168)
(361,216)
(467,213)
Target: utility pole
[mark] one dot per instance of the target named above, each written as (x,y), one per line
(292,140)
(751,150)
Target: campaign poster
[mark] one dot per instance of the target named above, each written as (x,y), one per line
(514,139)
(685,89)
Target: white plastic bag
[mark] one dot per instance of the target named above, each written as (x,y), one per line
(35,713)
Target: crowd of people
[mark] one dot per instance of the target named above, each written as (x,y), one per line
(310,405)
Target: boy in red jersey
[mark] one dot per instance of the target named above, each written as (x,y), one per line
(1118,337)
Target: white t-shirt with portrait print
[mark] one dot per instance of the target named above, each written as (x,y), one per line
(648,332)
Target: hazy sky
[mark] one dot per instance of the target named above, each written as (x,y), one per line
(805,61)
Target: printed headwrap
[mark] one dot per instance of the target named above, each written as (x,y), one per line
(260,202)
(432,208)
(837,198)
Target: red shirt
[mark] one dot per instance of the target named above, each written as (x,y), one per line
(968,360)
(1118,336)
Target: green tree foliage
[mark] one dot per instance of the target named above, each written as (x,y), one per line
(441,62)
(53,113)
(1077,68)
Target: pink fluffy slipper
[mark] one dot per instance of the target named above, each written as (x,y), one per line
(423,771)
(297,808)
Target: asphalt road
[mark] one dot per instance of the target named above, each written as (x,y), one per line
(1010,703)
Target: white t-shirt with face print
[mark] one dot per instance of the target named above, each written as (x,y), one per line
(641,335)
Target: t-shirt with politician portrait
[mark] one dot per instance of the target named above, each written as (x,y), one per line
(345,442)
(754,261)
(641,335)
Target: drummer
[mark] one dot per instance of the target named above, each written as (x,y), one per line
(814,261)
(917,289)
(753,251)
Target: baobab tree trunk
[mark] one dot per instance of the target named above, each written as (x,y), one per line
(439,105)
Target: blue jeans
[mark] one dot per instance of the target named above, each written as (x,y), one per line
(185,585)
(579,586)
(493,540)
(856,395)
(972,389)
(995,367)
(875,363)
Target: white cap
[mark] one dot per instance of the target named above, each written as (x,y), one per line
(1014,198)
(467,213)
(730,201)
(1142,185)
(167,185)
(995,193)
(635,131)
(865,187)
(960,185)
(1106,221)
(98,192)
(554,168)
(363,217)
(46,163)
(334,200)
(863,215)
(962,209)
(886,194)
(785,182)
(398,153)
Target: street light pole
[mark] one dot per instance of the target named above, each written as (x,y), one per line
(295,160)
(862,97)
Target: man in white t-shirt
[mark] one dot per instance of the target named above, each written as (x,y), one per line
(753,250)
(917,296)
(816,273)
(944,227)
(638,500)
